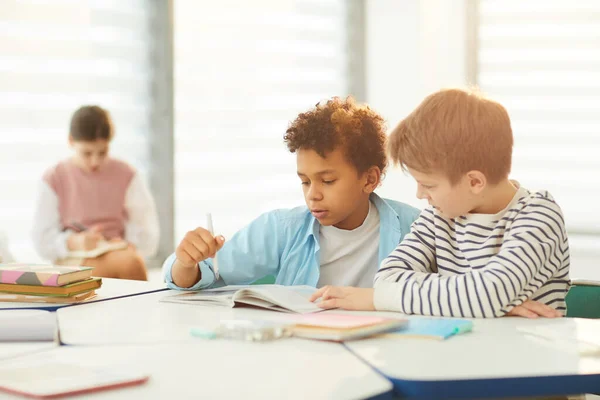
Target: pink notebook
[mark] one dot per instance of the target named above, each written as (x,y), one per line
(42,274)
(339,320)
(39,378)
(342,327)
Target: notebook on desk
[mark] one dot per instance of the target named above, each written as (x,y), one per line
(72,289)
(579,335)
(43,376)
(103,247)
(23,298)
(342,327)
(432,328)
(320,326)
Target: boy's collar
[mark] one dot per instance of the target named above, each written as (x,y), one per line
(386,213)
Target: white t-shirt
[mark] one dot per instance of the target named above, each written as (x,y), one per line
(350,258)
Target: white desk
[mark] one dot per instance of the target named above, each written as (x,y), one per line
(284,369)
(495,360)
(15,349)
(144,320)
(111,289)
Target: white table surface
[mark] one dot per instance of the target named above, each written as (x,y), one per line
(144,319)
(111,289)
(495,358)
(489,358)
(15,349)
(282,369)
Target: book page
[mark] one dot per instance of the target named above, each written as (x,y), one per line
(203,297)
(291,298)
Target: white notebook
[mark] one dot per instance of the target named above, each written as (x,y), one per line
(102,248)
(27,326)
(578,335)
(585,282)
(291,299)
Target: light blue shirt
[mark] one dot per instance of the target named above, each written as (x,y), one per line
(285,244)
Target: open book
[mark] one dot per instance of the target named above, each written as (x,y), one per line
(102,248)
(292,299)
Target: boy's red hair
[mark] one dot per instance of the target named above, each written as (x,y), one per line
(452,132)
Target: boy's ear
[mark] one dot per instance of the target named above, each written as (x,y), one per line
(477,181)
(373,179)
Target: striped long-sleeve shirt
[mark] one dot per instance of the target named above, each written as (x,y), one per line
(479,265)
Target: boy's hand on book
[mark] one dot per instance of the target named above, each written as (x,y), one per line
(197,246)
(347,298)
(534,309)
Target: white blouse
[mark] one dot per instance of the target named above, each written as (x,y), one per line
(141,228)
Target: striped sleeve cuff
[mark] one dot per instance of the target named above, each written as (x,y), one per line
(387,297)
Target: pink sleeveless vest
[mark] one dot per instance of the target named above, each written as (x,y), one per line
(92,198)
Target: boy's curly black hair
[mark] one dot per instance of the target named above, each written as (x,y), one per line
(359,130)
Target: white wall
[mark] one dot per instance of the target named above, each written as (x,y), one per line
(413,48)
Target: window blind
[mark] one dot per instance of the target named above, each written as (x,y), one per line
(243,70)
(56,55)
(541,59)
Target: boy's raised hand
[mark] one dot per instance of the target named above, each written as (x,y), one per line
(197,246)
(347,298)
(534,309)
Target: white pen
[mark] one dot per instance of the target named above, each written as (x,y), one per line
(209,224)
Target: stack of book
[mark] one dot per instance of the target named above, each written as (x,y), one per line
(47,283)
